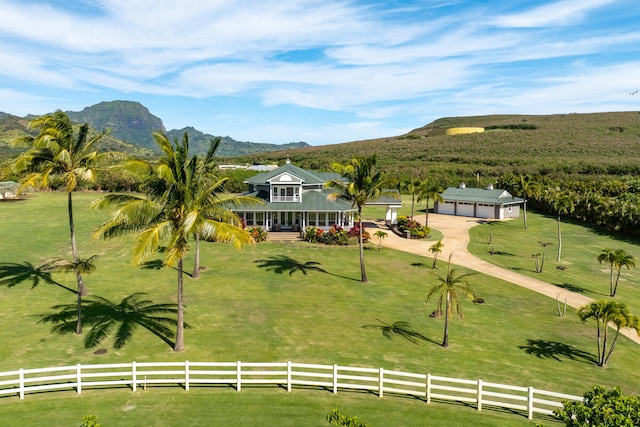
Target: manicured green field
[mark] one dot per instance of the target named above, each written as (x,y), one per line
(265,303)
(514,247)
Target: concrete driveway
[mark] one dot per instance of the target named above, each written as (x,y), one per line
(456,239)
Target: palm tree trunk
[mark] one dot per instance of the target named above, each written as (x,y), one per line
(413,199)
(611,293)
(599,343)
(196,264)
(613,345)
(82,290)
(615,286)
(559,240)
(604,343)
(179,345)
(426,213)
(445,340)
(363,273)
(79,321)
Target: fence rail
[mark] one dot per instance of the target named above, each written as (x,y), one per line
(288,374)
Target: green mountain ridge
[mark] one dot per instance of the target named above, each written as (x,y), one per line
(130,125)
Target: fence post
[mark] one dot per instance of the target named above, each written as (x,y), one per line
(335,379)
(530,403)
(134,375)
(428,388)
(239,376)
(381,383)
(479,395)
(289,376)
(186,375)
(21,377)
(79,378)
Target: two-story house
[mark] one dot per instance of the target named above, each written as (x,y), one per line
(295,198)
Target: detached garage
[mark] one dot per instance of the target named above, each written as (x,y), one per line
(479,203)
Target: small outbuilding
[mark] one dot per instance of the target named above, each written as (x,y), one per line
(486,202)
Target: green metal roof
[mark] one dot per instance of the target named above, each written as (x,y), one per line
(312,201)
(480,195)
(306,176)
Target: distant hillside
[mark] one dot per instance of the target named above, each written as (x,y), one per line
(199,143)
(577,144)
(131,123)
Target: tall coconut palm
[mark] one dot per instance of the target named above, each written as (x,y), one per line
(428,192)
(605,313)
(524,186)
(360,184)
(563,205)
(62,156)
(449,290)
(175,208)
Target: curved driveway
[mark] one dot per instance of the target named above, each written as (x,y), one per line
(456,239)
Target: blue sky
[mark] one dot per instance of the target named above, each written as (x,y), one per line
(321,71)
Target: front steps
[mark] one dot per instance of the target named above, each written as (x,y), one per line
(283,236)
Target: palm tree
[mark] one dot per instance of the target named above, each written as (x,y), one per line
(61,156)
(608,256)
(563,205)
(104,316)
(174,209)
(429,192)
(620,259)
(360,184)
(606,312)
(435,249)
(380,235)
(544,250)
(78,266)
(413,187)
(447,290)
(524,186)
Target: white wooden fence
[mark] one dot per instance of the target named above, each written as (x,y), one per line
(288,374)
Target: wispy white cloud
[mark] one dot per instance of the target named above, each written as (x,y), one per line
(563,12)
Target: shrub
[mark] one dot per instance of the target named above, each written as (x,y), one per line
(335,236)
(311,234)
(258,233)
(353,232)
(418,231)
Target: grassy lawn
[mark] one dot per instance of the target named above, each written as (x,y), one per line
(266,303)
(513,247)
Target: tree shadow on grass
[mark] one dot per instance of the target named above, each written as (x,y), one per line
(280,264)
(158,264)
(402,329)
(572,288)
(13,274)
(120,319)
(544,349)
